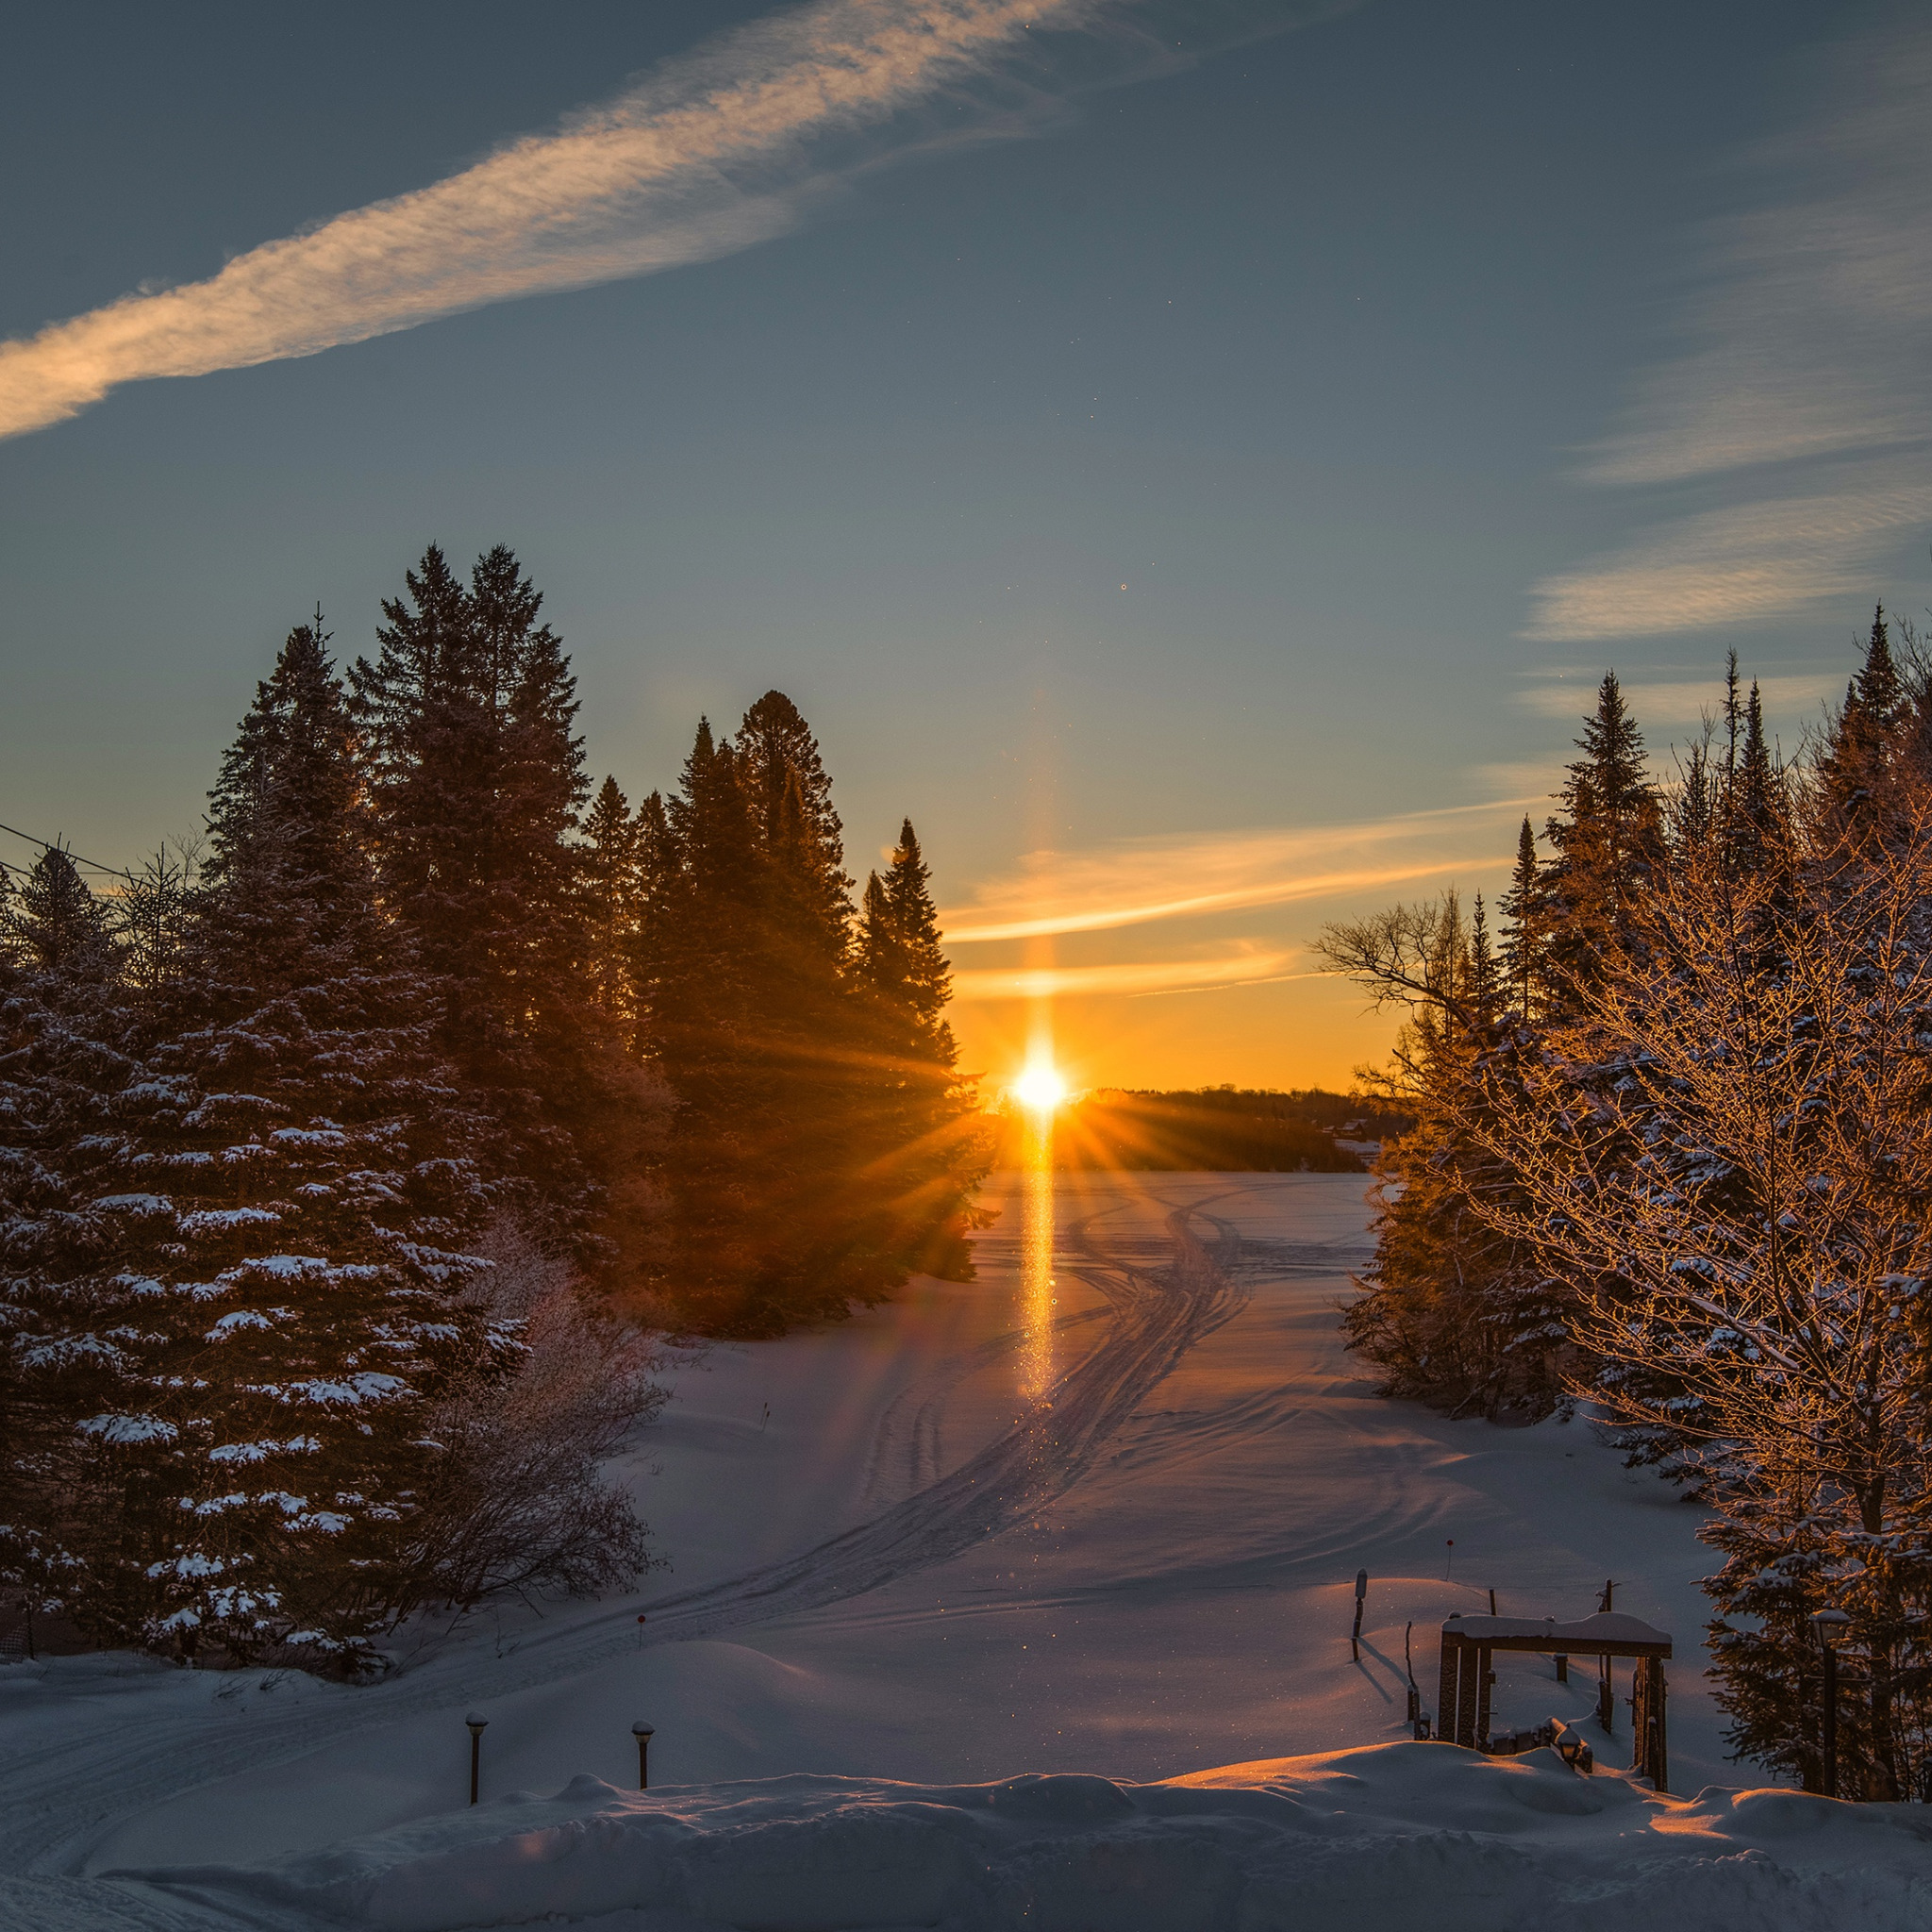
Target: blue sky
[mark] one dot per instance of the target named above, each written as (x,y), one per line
(1194,460)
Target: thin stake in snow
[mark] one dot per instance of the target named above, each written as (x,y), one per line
(1450,1565)
(1354,1636)
(1828,1623)
(643,1733)
(1415,1692)
(477,1723)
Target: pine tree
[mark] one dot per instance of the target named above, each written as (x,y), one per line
(288,884)
(63,1355)
(55,925)
(819,1148)
(1450,1312)
(476,776)
(1608,843)
(928,1162)
(1482,977)
(696,958)
(612,894)
(1523,939)
(275,1221)
(1856,764)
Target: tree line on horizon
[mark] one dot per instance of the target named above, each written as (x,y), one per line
(1204,1129)
(1672,1162)
(346,1174)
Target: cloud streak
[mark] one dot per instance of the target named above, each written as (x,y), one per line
(1128,979)
(1801,399)
(1139,882)
(1681,701)
(711,153)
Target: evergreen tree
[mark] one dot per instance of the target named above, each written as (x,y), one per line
(55,926)
(1450,1312)
(697,952)
(476,776)
(279,1209)
(1523,935)
(1856,762)
(612,891)
(287,885)
(1608,844)
(928,1162)
(64,1325)
(818,1149)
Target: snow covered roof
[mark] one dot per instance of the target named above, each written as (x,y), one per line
(1609,1633)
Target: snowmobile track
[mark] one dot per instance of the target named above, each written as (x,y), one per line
(56,1800)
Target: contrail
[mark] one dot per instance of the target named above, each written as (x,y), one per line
(711,153)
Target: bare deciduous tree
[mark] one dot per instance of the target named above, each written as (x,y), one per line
(1725,1150)
(521,1505)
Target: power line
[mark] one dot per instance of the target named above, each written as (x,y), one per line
(48,845)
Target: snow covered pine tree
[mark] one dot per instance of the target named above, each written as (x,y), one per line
(280,1206)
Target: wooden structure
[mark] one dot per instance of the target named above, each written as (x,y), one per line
(1470,1643)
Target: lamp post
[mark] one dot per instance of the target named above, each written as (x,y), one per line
(477,1723)
(643,1734)
(1828,1623)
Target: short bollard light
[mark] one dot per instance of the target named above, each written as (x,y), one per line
(643,1734)
(476,1723)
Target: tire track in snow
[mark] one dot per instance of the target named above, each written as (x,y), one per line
(59,1794)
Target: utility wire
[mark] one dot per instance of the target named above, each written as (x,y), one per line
(48,845)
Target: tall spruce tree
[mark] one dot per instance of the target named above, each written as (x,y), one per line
(1608,843)
(1855,767)
(612,890)
(466,732)
(817,1150)
(55,926)
(1523,932)
(928,1162)
(281,1206)
(64,1323)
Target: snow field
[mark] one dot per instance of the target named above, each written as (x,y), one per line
(1104,1528)
(1396,1835)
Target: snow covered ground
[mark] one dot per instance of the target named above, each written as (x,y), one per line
(1096,1516)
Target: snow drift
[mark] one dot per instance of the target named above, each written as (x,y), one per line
(1391,1835)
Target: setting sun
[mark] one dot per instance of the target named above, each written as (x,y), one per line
(1040,1088)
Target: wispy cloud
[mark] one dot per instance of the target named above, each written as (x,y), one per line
(1681,701)
(710,154)
(1802,398)
(1132,980)
(1734,566)
(1137,882)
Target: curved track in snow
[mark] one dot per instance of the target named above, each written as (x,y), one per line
(58,1793)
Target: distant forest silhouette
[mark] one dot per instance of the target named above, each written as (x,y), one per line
(1224,1129)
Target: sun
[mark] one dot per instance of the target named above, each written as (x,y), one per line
(1040,1088)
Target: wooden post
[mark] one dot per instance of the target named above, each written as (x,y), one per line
(1651,1757)
(1466,1695)
(1562,1668)
(1485,1677)
(1605,1696)
(1446,1689)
